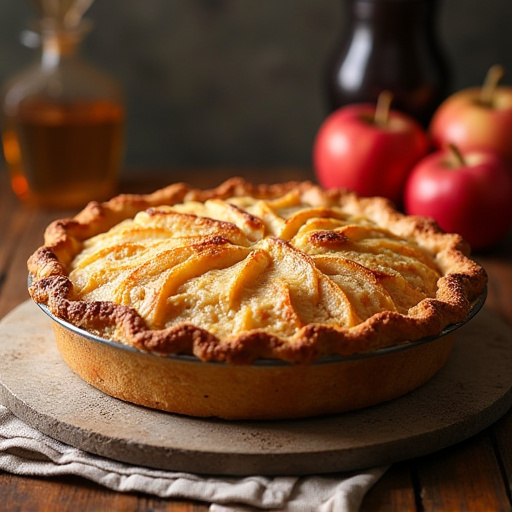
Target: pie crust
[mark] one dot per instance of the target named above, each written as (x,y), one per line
(242,273)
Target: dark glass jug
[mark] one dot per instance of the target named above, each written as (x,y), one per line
(390,45)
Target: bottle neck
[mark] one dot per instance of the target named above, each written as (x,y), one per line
(393,16)
(60,43)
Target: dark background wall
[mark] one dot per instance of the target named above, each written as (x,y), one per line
(239,82)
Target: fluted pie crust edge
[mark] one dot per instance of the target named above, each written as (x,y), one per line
(462,281)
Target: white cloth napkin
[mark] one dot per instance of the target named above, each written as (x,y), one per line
(25,451)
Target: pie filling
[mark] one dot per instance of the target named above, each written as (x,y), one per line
(244,272)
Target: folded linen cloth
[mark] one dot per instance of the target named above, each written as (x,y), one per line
(26,451)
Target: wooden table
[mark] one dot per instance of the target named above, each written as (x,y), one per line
(474,475)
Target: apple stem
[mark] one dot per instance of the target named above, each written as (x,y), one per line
(384,100)
(494,75)
(460,160)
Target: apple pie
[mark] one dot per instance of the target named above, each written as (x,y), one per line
(280,278)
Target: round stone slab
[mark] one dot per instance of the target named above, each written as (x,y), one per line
(472,391)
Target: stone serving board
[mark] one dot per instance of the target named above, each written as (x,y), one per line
(472,391)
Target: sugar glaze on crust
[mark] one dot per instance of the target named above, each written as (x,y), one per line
(243,271)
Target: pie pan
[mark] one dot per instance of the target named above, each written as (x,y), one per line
(265,389)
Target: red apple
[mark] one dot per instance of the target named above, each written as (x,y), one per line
(469,194)
(369,149)
(477,118)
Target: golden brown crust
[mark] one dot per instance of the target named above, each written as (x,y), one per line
(458,283)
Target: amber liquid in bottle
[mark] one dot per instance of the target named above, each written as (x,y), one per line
(62,119)
(62,155)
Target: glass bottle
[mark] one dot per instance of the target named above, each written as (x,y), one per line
(63,122)
(390,45)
